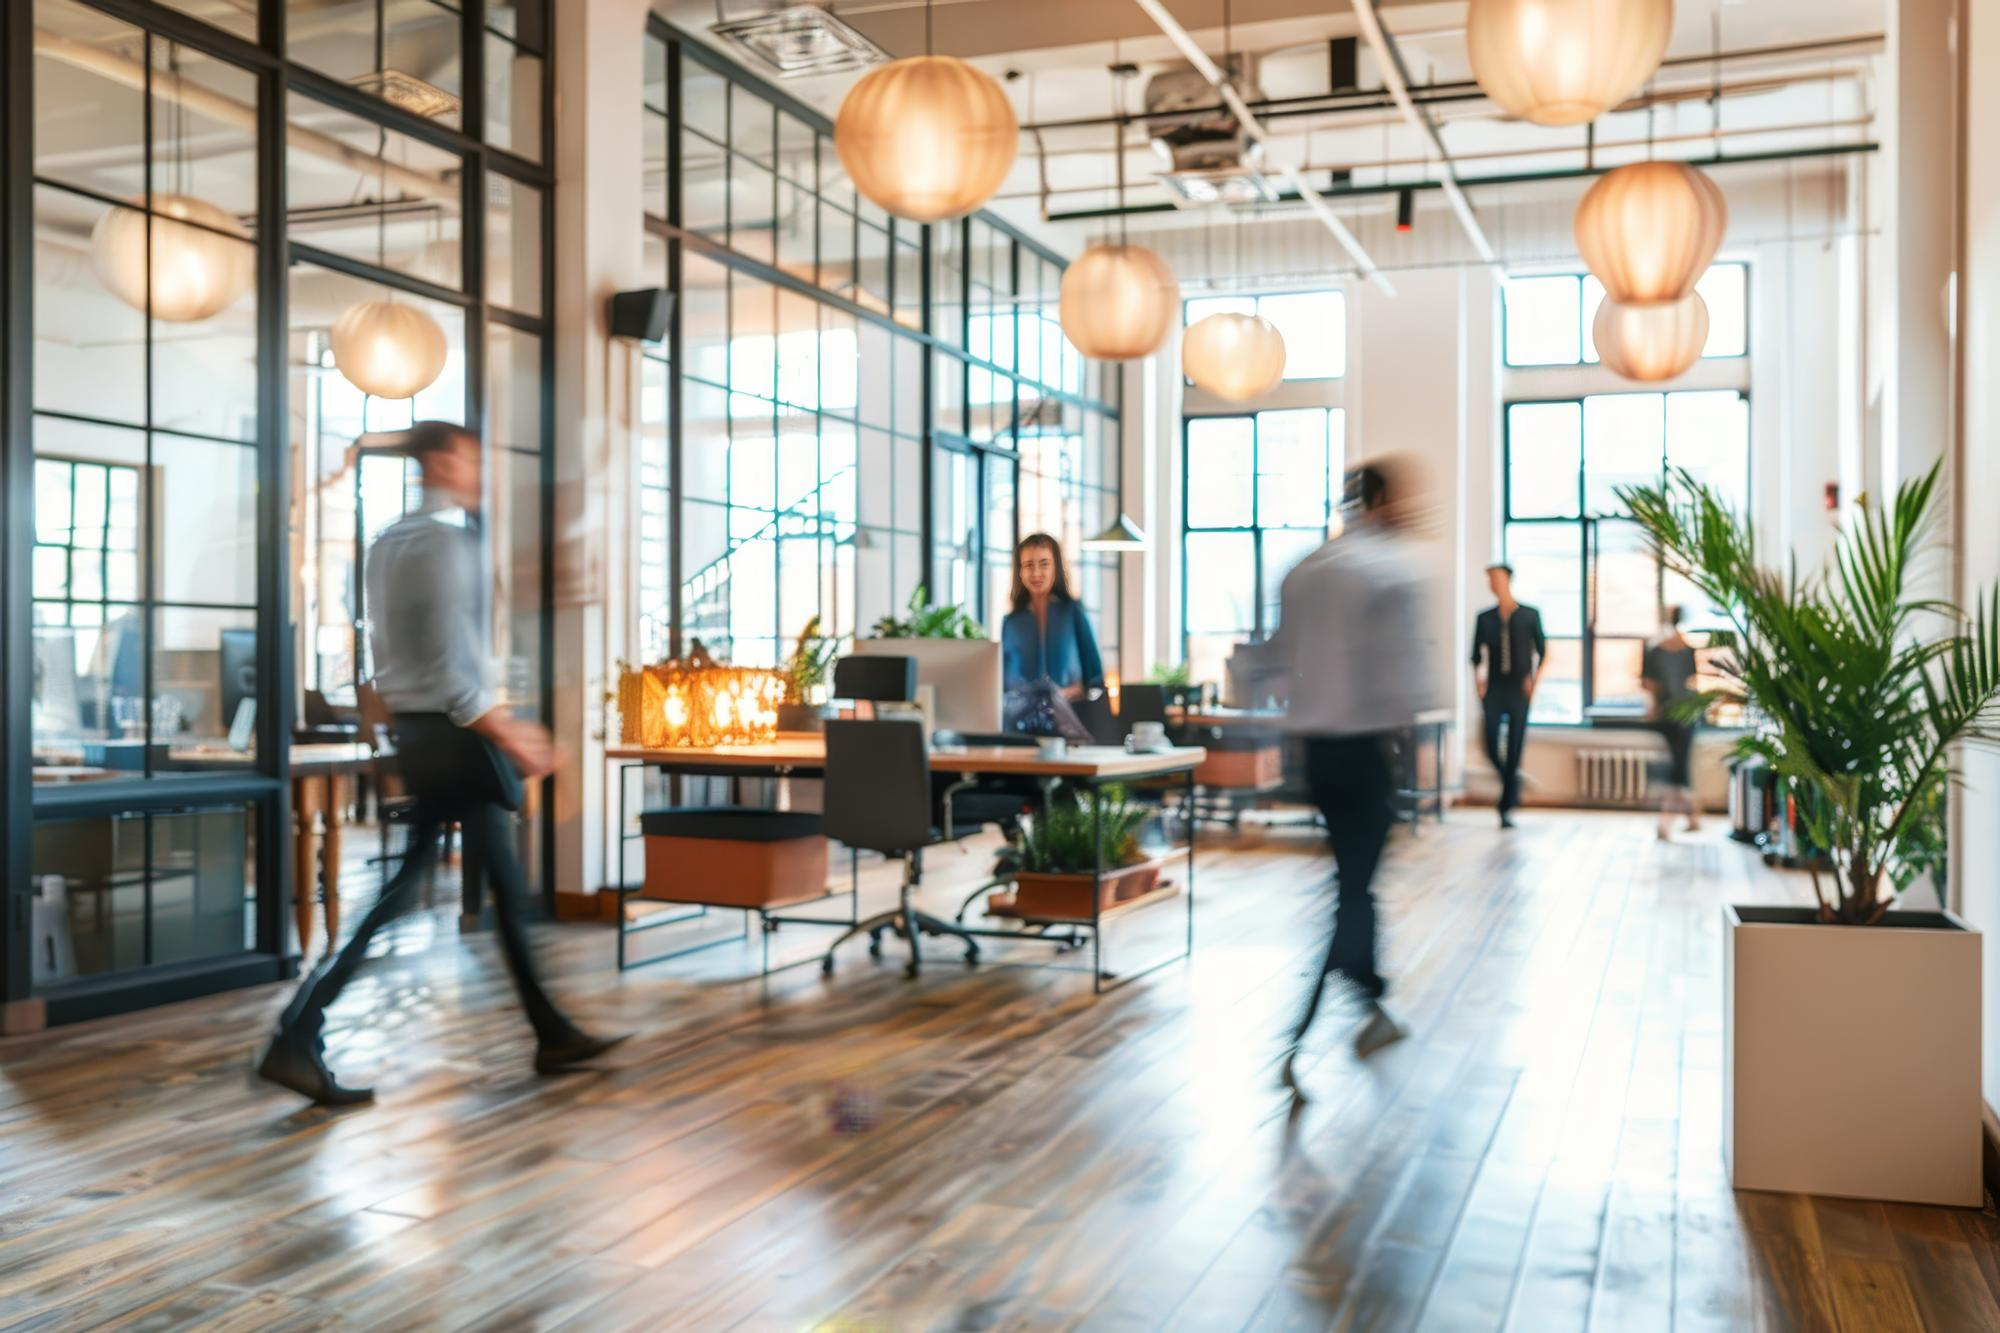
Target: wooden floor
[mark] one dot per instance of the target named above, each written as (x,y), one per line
(991,1148)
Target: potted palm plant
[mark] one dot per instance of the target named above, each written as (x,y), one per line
(1055,865)
(1851,1041)
(804,673)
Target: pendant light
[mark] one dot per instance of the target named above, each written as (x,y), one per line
(382,348)
(927,137)
(1653,341)
(1649,230)
(186,259)
(1118,301)
(1238,357)
(1564,62)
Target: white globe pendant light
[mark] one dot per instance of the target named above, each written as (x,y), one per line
(1649,230)
(1564,62)
(1118,302)
(1237,357)
(1651,342)
(201,259)
(927,138)
(388,350)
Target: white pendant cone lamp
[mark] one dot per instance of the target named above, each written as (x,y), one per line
(1122,535)
(1564,62)
(927,137)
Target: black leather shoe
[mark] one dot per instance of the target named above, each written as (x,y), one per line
(572,1051)
(1506,819)
(293,1064)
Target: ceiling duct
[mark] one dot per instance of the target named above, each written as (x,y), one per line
(794,37)
(1210,158)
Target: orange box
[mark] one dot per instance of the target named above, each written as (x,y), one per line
(780,858)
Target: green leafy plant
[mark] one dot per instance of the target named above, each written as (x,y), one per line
(1861,684)
(1175,677)
(925,621)
(805,669)
(1063,837)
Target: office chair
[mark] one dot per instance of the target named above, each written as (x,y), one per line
(878,799)
(875,679)
(1142,703)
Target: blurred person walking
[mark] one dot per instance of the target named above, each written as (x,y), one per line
(1352,626)
(1668,673)
(462,756)
(1508,649)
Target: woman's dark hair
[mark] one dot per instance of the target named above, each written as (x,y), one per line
(1019,595)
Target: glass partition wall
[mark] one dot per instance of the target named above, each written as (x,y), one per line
(196,192)
(848,407)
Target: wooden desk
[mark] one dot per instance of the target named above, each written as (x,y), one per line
(803,754)
(320,788)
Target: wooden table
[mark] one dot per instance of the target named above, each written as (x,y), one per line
(803,754)
(320,788)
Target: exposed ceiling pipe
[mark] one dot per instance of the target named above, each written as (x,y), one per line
(1391,65)
(239,115)
(1322,210)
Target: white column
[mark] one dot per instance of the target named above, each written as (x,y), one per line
(600,47)
(1975,835)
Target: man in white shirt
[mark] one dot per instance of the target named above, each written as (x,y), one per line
(1352,627)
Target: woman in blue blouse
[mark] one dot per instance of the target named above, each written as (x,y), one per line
(1046,635)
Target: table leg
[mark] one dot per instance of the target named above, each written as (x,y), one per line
(305,859)
(336,800)
(471,887)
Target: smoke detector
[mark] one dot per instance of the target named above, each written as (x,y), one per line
(794,37)
(1208,157)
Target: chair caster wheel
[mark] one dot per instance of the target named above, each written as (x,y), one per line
(911,970)
(972,958)
(826,966)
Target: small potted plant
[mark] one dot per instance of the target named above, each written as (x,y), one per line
(1054,865)
(1851,1030)
(923,620)
(804,672)
(1177,683)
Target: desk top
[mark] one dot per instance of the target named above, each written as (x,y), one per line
(1226,717)
(801,751)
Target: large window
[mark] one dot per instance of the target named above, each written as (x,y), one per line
(1576,552)
(193,480)
(1314,326)
(1260,492)
(1548,317)
(828,426)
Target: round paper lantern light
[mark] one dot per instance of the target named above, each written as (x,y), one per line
(927,138)
(1119,302)
(1655,341)
(1649,230)
(1236,357)
(388,350)
(194,271)
(1563,62)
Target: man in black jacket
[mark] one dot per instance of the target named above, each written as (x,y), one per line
(1508,649)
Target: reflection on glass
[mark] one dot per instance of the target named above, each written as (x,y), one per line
(513,98)
(369,193)
(514,245)
(406,53)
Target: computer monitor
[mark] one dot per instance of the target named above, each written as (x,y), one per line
(239,672)
(964,676)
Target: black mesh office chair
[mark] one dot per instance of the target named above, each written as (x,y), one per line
(878,799)
(882,680)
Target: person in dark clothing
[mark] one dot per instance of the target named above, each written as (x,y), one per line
(462,756)
(1667,671)
(1508,649)
(1351,630)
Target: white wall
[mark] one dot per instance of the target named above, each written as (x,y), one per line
(1975,862)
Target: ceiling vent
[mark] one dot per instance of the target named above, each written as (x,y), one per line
(1210,160)
(794,37)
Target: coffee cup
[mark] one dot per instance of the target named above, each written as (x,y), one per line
(1147,736)
(1052,747)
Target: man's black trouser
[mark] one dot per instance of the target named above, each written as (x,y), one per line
(1506,702)
(1352,781)
(487,827)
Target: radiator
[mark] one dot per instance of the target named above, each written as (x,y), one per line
(1614,777)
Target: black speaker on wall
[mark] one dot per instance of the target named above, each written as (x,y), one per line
(642,314)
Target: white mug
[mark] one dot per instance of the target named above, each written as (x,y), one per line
(1146,736)
(1052,747)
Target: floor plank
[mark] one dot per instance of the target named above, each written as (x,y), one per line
(987,1148)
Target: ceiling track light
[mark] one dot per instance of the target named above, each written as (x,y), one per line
(1406,209)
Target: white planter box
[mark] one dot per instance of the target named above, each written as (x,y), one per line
(1851,1056)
